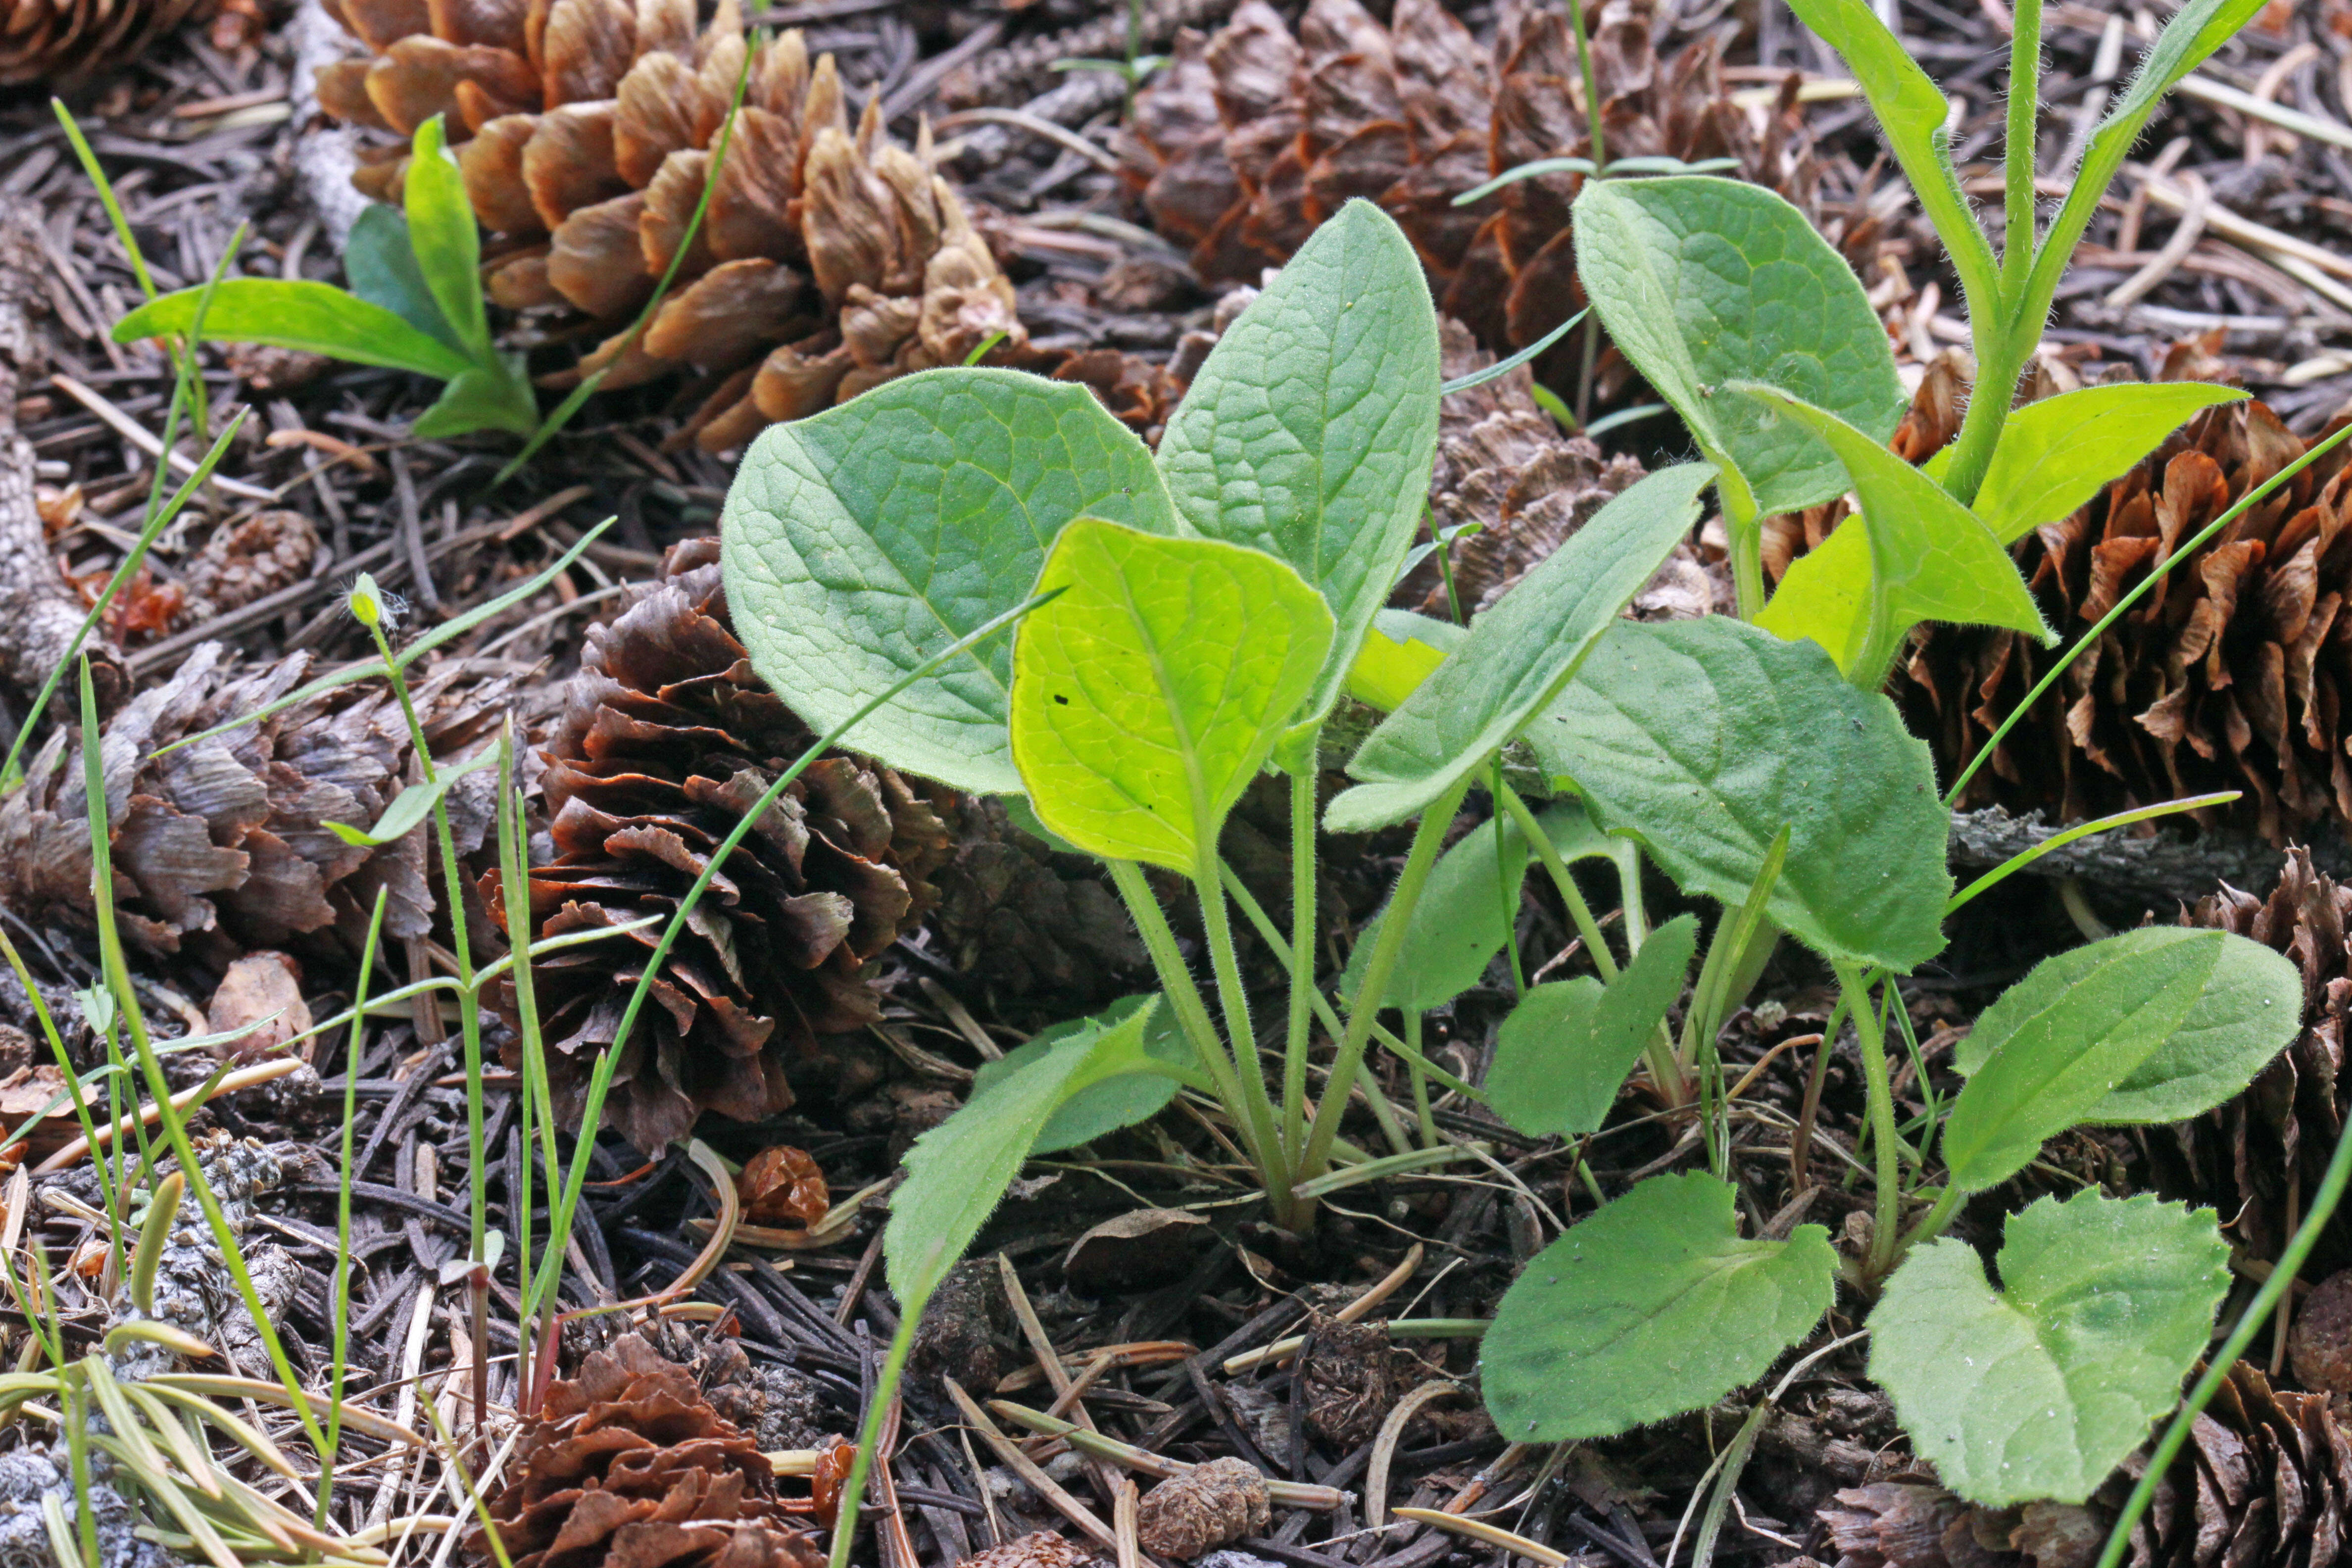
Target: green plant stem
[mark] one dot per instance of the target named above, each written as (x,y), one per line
(1269,934)
(1591,84)
(1889,1181)
(1747,530)
(1365,1006)
(117,971)
(1193,1015)
(343,1312)
(1430,1138)
(1999,365)
(2018,150)
(2217,1365)
(1579,911)
(1233,1000)
(869,1435)
(2139,591)
(1627,857)
(1931,1224)
(469,1016)
(1298,1039)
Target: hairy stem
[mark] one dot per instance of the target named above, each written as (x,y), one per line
(1300,959)
(1889,1167)
(1232,997)
(1365,1006)
(1579,911)
(2018,148)
(1183,994)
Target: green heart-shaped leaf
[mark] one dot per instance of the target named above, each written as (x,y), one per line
(2040,1388)
(863,541)
(1152,688)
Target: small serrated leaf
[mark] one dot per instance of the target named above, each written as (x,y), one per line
(1651,1306)
(2040,1388)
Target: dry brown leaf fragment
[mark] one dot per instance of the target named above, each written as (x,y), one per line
(261,993)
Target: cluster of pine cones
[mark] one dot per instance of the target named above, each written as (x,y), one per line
(830,258)
(1254,134)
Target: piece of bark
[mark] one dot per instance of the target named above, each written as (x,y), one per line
(39,614)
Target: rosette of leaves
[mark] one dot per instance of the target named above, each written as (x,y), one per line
(1255,133)
(225,842)
(830,258)
(628,1465)
(666,739)
(55,41)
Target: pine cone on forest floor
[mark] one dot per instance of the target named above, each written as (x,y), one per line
(1251,136)
(56,41)
(2264,1482)
(667,737)
(628,1465)
(2257,1157)
(223,843)
(831,259)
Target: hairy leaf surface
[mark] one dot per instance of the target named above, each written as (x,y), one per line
(1678,735)
(2153,1025)
(1651,1306)
(2058,453)
(1703,281)
(1563,1053)
(2038,1389)
(1309,431)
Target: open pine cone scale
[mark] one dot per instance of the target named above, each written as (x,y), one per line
(830,258)
(630,1466)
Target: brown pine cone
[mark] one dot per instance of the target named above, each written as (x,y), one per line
(224,841)
(667,739)
(2263,1482)
(831,259)
(1504,465)
(2260,1156)
(629,1465)
(2229,675)
(1251,136)
(55,41)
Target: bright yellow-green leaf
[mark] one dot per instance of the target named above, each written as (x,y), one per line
(317,318)
(1825,594)
(442,231)
(1931,557)
(1397,656)
(2056,453)
(1152,688)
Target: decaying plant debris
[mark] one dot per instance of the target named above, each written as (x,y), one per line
(907,185)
